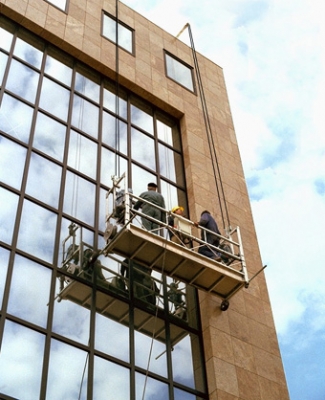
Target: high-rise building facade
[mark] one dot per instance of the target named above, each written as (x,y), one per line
(90,92)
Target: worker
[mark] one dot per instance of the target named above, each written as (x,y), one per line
(176,236)
(152,196)
(208,222)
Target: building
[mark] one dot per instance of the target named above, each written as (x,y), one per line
(75,110)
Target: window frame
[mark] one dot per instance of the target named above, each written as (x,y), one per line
(105,14)
(184,64)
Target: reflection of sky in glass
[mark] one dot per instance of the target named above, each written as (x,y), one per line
(181,395)
(111,381)
(71,320)
(5,39)
(49,136)
(59,3)
(164,132)
(11,168)
(21,361)
(28,53)
(22,81)
(4,260)
(108,166)
(58,70)
(85,116)
(9,202)
(141,119)
(37,231)
(167,163)
(124,34)
(44,179)
(113,135)
(140,179)
(58,102)
(179,72)
(116,343)
(79,199)
(66,370)
(145,348)
(110,103)
(150,389)
(15,118)
(87,87)
(82,154)
(3,63)
(27,300)
(143,149)
(170,194)
(183,363)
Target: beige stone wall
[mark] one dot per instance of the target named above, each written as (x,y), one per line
(242,353)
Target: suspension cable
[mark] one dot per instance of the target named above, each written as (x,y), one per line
(117,102)
(212,147)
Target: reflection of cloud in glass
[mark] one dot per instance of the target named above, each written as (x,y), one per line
(141,119)
(9,202)
(66,371)
(143,149)
(87,87)
(150,389)
(4,260)
(44,178)
(21,361)
(49,136)
(28,53)
(58,70)
(114,135)
(85,116)
(58,102)
(5,39)
(59,3)
(109,102)
(79,200)
(29,291)
(22,81)
(183,362)
(140,179)
(111,381)
(82,154)
(37,231)
(3,63)
(12,162)
(70,319)
(15,118)
(167,162)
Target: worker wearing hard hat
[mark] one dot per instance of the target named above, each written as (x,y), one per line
(174,235)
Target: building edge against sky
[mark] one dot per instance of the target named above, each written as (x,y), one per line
(242,355)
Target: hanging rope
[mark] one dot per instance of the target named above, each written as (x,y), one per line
(212,147)
(117,103)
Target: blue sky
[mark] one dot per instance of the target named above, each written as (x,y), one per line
(273,57)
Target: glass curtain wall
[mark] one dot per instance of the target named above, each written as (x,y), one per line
(64,132)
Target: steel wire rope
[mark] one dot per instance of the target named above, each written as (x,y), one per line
(212,147)
(154,330)
(117,94)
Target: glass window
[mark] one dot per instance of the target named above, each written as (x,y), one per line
(22,81)
(37,231)
(141,116)
(9,203)
(49,136)
(68,370)
(171,164)
(5,39)
(29,300)
(110,102)
(114,135)
(3,64)
(111,381)
(79,198)
(108,166)
(82,154)
(15,118)
(87,87)
(21,361)
(28,53)
(11,168)
(143,149)
(58,102)
(85,116)
(61,4)
(125,34)
(56,69)
(44,179)
(148,388)
(4,261)
(179,72)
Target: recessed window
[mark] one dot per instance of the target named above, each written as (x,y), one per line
(124,33)
(179,71)
(61,4)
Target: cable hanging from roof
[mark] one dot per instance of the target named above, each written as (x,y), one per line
(117,102)
(211,142)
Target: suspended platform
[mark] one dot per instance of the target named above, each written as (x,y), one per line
(177,261)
